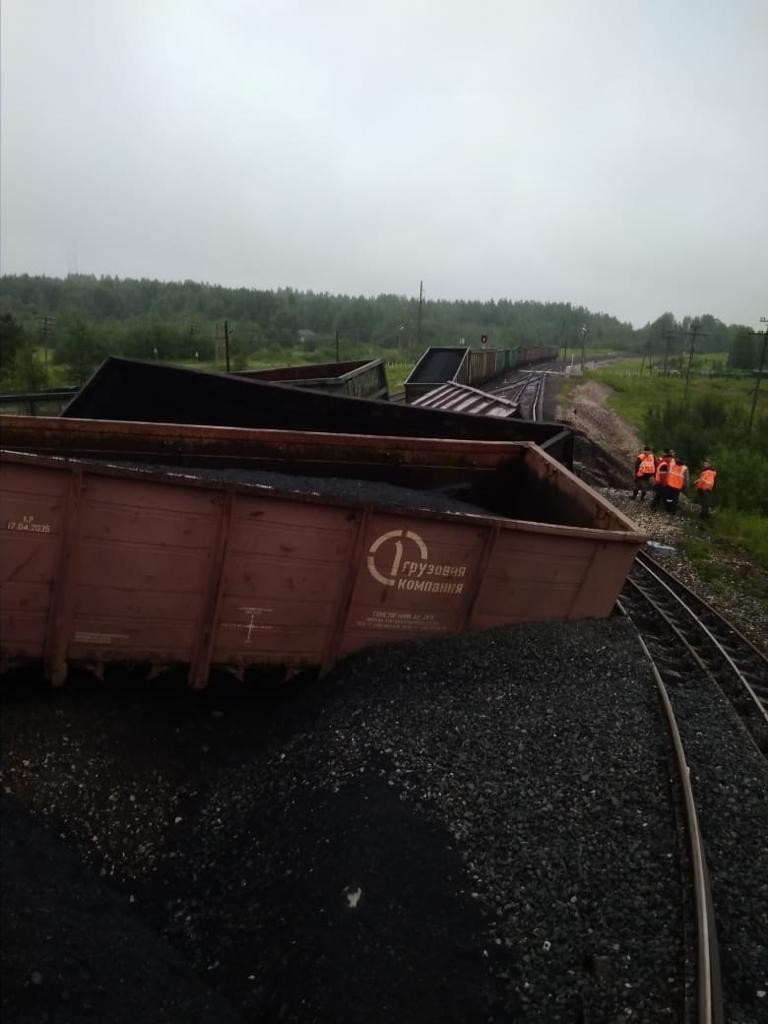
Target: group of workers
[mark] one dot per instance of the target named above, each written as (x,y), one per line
(668,476)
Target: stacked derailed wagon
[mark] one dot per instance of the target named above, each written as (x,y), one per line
(281,532)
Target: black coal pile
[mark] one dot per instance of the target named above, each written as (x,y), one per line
(348,489)
(472,829)
(73,951)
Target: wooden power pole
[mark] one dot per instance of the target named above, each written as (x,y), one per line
(763,320)
(421,306)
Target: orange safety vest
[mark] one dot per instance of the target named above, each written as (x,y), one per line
(662,469)
(706,481)
(647,464)
(676,476)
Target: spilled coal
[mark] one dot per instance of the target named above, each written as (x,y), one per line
(473,829)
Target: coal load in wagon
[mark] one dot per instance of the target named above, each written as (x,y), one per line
(228,567)
(126,389)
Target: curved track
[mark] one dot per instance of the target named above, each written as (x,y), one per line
(708,1007)
(687,643)
(689,638)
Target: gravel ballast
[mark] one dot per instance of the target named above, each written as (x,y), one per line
(727,592)
(471,829)
(730,783)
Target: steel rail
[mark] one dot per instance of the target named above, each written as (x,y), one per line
(516,386)
(535,406)
(531,382)
(760,705)
(645,558)
(754,724)
(709,995)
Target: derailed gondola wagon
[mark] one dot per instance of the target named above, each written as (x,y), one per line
(131,390)
(459,365)
(360,378)
(235,568)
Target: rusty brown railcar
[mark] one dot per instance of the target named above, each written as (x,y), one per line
(359,378)
(107,564)
(132,391)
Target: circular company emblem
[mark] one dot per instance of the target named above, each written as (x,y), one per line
(391,556)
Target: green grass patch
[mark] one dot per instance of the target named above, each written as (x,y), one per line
(696,549)
(634,396)
(699,553)
(712,422)
(746,530)
(396,375)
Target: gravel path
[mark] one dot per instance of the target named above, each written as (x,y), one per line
(476,829)
(586,410)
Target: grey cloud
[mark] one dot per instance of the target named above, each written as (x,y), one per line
(610,154)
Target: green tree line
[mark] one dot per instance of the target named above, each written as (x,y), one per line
(83,318)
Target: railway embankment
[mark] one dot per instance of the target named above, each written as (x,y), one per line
(725,574)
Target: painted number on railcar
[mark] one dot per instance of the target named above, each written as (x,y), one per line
(29,525)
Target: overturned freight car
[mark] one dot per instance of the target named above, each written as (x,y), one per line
(128,389)
(237,567)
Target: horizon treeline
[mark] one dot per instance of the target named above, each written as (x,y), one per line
(83,318)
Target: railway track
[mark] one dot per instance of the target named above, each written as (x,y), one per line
(527,391)
(707,1007)
(689,644)
(689,639)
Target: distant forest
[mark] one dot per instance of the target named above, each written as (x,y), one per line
(82,318)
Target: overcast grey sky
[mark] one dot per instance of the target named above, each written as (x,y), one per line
(612,153)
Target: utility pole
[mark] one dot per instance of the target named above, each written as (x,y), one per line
(421,304)
(692,334)
(667,342)
(564,337)
(338,358)
(763,320)
(649,350)
(584,333)
(226,344)
(46,330)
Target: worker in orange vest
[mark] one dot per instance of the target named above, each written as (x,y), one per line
(645,471)
(660,477)
(705,485)
(677,481)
